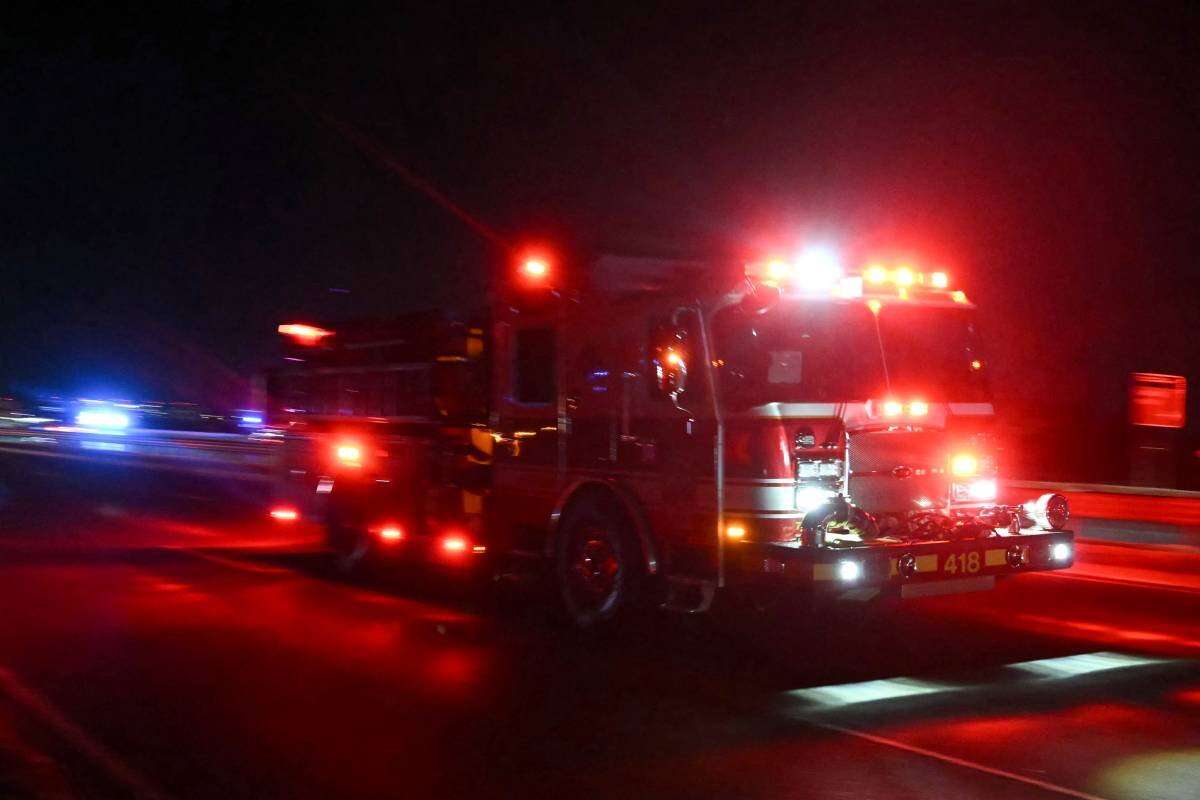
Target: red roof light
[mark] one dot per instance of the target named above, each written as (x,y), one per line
(304,334)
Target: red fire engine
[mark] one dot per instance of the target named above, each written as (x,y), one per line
(801,430)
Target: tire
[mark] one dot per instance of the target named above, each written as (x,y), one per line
(351,547)
(598,563)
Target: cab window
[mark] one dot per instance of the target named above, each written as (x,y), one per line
(535,379)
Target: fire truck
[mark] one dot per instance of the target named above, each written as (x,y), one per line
(651,431)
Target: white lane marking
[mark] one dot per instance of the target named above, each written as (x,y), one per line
(869,691)
(959,762)
(1060,668)
(94,751)
(232,563)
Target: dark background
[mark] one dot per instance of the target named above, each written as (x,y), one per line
(166,200)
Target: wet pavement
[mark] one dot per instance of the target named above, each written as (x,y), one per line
(158,639)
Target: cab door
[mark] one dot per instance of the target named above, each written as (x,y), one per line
(668,439)
(527,424)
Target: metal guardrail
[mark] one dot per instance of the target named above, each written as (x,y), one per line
(1101,488)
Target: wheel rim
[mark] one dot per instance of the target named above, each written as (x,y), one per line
(594,571)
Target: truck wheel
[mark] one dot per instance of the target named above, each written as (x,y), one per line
(350,547)
(597,564)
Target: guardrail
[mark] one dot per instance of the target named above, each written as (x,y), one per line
(238,456)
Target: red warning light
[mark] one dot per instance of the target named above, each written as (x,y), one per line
(349,453)
(304,334)
(535,268)
(964,465)
(391,533)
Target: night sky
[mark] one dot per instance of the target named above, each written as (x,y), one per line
(169,196)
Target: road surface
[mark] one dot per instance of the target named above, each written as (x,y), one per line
(159,639)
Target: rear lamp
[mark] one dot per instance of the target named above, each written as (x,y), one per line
(284,514)
(735,531)
(939,280)
(1051,512)
(348,454)
(1060,551)
(892,408)
(918,408)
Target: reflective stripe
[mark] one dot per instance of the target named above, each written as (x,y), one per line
(750,513)
(824,572)
(995,558)
(781,410)
(761,498)
(972,409)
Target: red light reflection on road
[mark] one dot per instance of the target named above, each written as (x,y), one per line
(1190,696)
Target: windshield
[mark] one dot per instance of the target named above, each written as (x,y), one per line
(814,351)
(933,353)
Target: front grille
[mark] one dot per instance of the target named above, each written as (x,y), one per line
(897,471)
(881,452)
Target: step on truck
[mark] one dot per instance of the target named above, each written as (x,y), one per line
(646,428)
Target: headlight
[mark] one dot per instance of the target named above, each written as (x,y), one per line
(810,497)
(982,489)
(102,418)
(1051,512)
(849,571)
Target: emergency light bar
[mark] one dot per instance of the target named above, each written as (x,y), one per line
(817,271)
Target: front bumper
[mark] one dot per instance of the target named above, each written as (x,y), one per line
(929,566)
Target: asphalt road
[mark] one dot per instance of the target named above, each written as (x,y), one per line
(157,638)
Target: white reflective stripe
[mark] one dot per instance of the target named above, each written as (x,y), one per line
(750,513)
(786,410)
(761,498)
(972,409)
